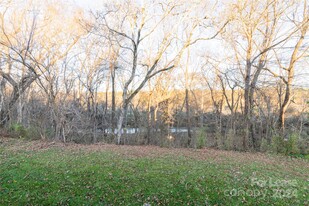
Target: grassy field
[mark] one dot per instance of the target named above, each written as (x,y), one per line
(45,173)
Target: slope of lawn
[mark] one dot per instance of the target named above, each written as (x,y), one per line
(42,173)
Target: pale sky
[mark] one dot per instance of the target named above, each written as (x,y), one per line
(90,4)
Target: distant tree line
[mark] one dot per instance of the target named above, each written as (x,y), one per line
(225,74)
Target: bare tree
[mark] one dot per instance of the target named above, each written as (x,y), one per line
(297,52)
(132,33)
(17,51)
(258,24)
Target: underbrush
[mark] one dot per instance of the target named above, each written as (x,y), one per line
(19,131)
(292,144)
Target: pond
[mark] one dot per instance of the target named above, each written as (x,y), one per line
(138,130)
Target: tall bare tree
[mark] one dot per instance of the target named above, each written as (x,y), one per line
(133,33)
(297,52)
(258,25)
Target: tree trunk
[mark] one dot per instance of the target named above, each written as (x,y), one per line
(284,106)
(188,119)
(122,115)
(4,116)
(149,123)
(113,102)
(247,107)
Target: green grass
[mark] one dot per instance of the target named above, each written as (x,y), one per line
(300,156)
(57,176)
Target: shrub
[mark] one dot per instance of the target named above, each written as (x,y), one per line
(287,145)
(230,139)
(291,146)
(220,140)
(201,138)
(277,144)
(18,130)
(303,145)
(264,145)
(33,133)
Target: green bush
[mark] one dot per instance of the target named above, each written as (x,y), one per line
(201,138)
(291,146)
(277,144)
(287,145)
(18,130)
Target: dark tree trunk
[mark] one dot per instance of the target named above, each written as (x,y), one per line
(188,119)
(113,101)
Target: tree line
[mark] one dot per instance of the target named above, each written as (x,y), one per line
(222,74)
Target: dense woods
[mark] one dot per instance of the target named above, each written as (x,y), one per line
(225,74)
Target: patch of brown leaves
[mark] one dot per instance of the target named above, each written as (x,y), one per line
(211,155)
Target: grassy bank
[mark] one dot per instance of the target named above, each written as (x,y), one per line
(41,173)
